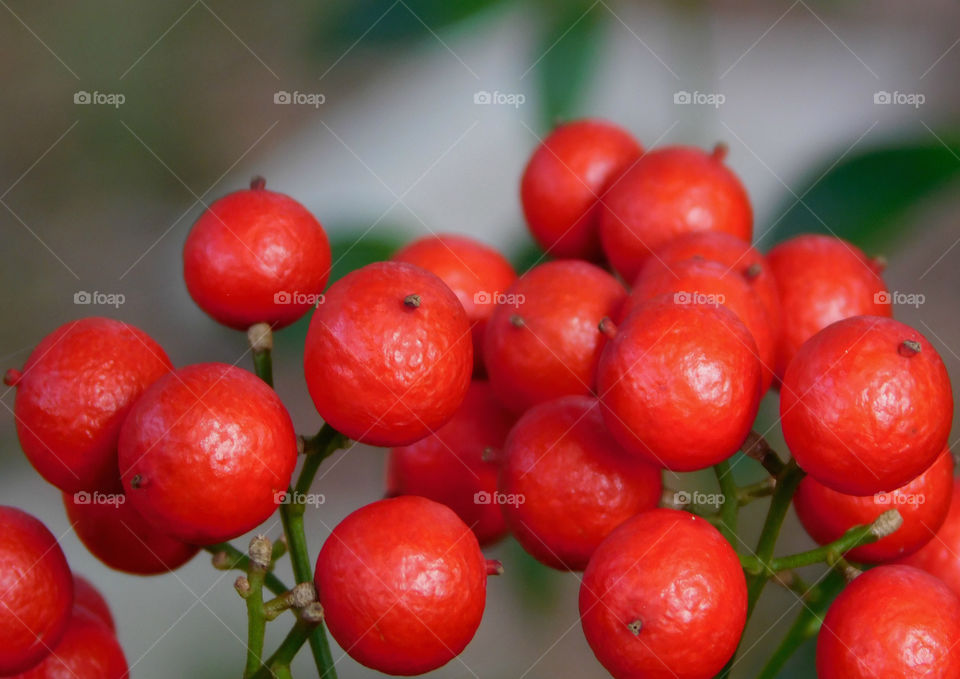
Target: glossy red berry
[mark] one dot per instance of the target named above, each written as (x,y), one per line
(702,281)
(206,452)
(922,503)
(544,340)
(821,280)
(457,464)
(680,384)
(866,405)
(565,484)
(669,192)
(88,597)
(663,596)
(892,621)
(88,650)
(478,275)
(36,591)
(256,256)
(403,585)
(74,392)
(116,534)
(564,180)
(941,555)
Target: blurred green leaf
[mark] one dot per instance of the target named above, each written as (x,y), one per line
(527,255)
(351,250)
(865,197)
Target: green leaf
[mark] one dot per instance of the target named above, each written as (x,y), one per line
(351,250)
(866,196)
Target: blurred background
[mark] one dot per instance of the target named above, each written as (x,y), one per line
(390,120)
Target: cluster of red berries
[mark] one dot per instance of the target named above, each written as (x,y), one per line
(545,406)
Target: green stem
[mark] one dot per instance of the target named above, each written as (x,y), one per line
(256,620)
(240,561)
(755,491)
(278,665)
(731,504)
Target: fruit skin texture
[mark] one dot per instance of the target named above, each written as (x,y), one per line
(858,415)
(88,597)
(548,343)
(894,622)
(693,279)
(205,451)
(458,461)
(36,591)
(75,390)
(675,574)
(941,555)
(577,484)
(669,192)
(250,246)
(680,384)
(403,585)
(923,503)
(564,181)
(380,370)
(822,280)
(123,540)
(88,650)
(475,272)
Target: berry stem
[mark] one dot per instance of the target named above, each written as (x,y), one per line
(755,491)
(226,557)
(260,336)
(259,563)
(757,448)
(730,508)
(278,665)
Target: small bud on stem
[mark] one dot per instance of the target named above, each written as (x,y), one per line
(261,552)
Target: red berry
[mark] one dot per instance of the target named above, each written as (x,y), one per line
(564,180)
(206,452)
(663,596)
(892,621)
(36,591)
(667,193)
(456,464)
(403,585)
(866,406)
(544,340)
(116,534)
(88,650)
(821,280)
(923,503)
(566,484)
(700,280)
(88,597)
(941,555)
(256,256)
(75,390)
(388,355)
(680,384)
(477,274)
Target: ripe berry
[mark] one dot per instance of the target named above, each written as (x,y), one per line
(700,280)
(256,256)
(564,180)
(923,503)
(866,405)
(822,279)
(88,650)
(88,597)
(941,555)
(75,390)
(667,193)
(456,465)
(544,341)
(388,356)
(36,591)
(567,483)
(205,452)
(403,585)
(680,384)
(663,596)
(122,539)
(892,621)
(477,274)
